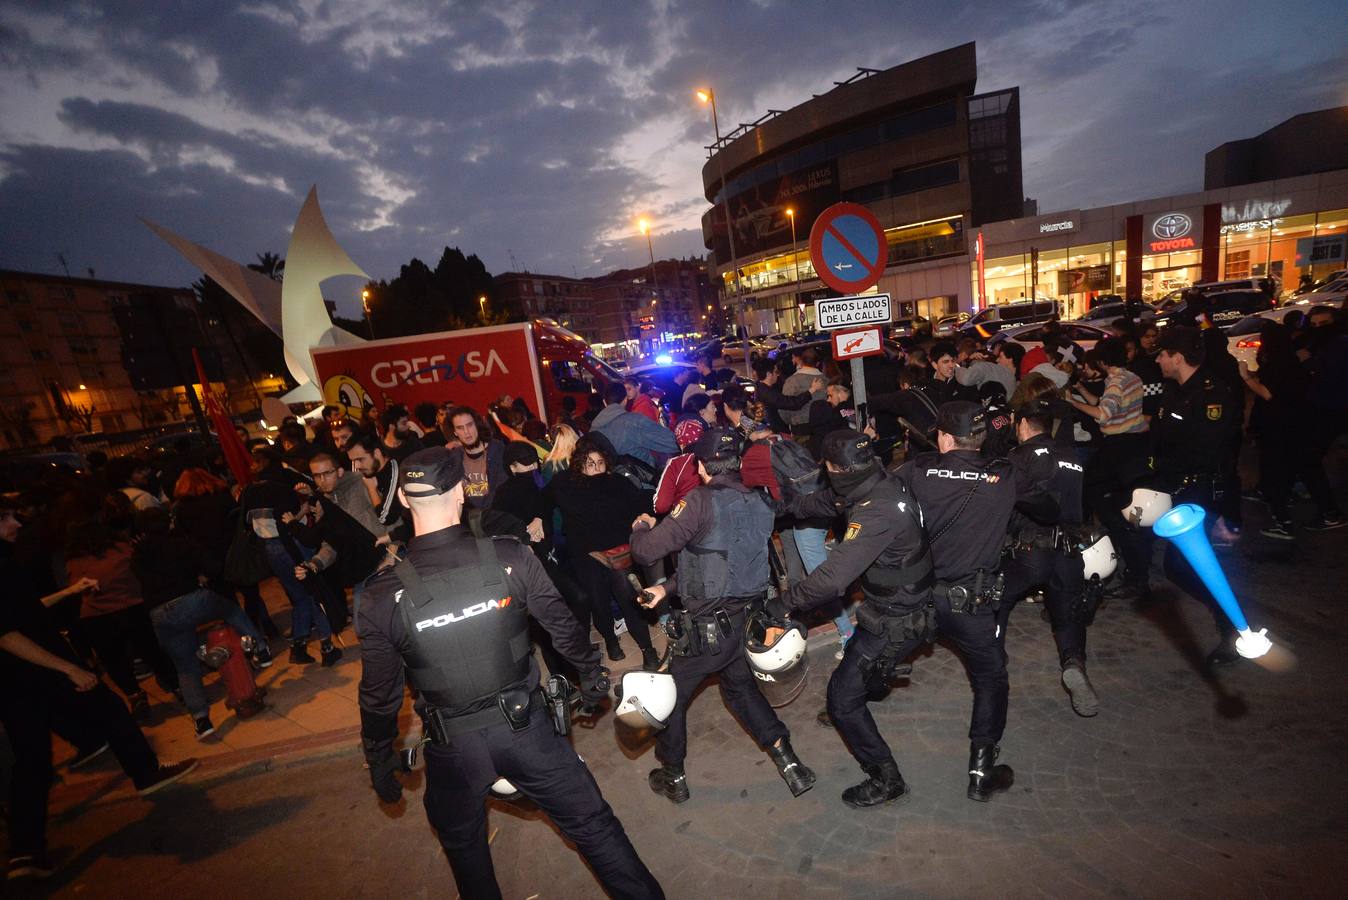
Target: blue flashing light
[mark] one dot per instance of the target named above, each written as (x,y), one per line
(664,359)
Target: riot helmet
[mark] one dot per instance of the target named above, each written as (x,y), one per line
(1146,507)
(645,699)
(779,663)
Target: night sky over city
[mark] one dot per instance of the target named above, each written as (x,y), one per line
(544,130)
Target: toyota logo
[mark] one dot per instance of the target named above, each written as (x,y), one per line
(1171,225)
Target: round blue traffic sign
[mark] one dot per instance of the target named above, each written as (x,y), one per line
(848,248)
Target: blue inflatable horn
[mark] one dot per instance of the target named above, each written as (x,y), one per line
(1183,527)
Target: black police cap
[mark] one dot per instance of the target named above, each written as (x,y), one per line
(717,443)
(961,418)
(434,470)
(848,449)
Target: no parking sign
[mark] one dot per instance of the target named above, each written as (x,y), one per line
(848,248)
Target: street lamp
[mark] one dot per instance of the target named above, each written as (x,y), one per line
(365,304)
(795,257)
(708,96)
(482,307)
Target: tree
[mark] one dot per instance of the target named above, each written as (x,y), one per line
(269,264)
(422,300)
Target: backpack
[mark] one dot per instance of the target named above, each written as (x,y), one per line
(636,471)
(796,470)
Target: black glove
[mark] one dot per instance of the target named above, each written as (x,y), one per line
(594,686)
(385,782)
(776,608)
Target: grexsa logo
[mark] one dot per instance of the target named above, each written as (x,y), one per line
(471,366)
(476,609)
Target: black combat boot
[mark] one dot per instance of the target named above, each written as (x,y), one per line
(1085,702)
(669,781)
(985,776)
(299,653)
(884,784)
(798,778)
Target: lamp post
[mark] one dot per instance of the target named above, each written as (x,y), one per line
(645,228)
(708,96)
(365,304)
(795,259)
(482,308)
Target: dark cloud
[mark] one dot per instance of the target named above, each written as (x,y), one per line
(510,128)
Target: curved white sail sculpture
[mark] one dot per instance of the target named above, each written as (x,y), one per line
(293,309)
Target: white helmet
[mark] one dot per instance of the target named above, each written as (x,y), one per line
(1146,507)
(645,699)
(780,665)
(1099,559)
(502,788)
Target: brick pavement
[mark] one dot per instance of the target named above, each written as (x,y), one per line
(1183,785)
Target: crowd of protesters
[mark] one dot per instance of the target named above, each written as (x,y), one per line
(119,567)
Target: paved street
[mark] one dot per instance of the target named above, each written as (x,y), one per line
(1183,786)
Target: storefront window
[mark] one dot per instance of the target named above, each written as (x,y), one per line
(1166,272)
(1005,279)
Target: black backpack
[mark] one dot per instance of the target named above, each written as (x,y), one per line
(796,470)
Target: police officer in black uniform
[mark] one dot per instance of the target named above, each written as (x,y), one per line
(1046,553)
(966,503)
(1197,423)
(720,532)
(455,614)
(885,547)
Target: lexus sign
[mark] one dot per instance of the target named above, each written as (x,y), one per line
(1171,231)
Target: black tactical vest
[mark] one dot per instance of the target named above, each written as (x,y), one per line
(731,560)
(469,637)
(896,579)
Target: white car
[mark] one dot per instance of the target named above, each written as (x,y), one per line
(1083,335)
(1242,338)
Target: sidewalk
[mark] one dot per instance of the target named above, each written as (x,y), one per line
(310,711)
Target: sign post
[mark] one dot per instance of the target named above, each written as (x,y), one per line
(850,252)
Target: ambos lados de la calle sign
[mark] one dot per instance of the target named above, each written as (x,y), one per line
(845,312)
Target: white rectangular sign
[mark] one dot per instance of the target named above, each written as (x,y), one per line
(862,342)
(846,312)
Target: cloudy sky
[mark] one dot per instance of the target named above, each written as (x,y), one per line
(544,129)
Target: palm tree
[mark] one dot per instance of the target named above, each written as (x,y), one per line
(269,264)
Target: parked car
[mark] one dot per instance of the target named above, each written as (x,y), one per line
(985,324)
(1242,338)
(1083,335)
(907,327)
(948,325)
(1334,281)
(1108,312)
(661,377)
(1225,308)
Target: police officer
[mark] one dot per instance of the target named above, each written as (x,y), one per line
(885,547)
(966,503)
(1045,553)
(720,532)
(454,614)
(1198,420)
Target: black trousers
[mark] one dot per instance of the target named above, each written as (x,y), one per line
(1182,575)
(604,586)
(739,690)
(1120,465)
(27,713)
(1063,581)
(847,698)
(981,641)
(547,770)
(111,634)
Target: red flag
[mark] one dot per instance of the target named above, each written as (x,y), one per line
(236,455)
